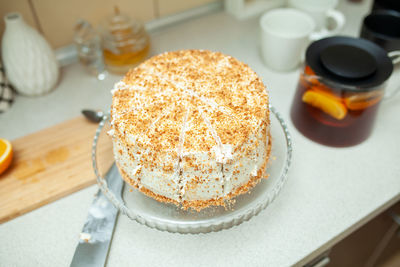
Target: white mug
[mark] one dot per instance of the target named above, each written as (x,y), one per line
(285,33)
(321,11)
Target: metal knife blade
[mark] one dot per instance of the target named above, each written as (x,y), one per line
(97,232)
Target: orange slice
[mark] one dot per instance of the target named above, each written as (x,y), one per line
(326,91)
(6,154)
(359,101)
(325,103)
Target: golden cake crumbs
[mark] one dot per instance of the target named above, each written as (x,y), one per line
(191,127)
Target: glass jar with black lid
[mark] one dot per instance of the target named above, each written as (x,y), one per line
(340,89)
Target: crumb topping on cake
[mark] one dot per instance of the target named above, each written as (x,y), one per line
(178,110)
(220,93)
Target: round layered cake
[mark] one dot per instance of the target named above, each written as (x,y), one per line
(191,127)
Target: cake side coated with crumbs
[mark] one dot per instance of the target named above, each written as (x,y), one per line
(191,127)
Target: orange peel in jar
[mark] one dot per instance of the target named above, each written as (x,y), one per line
(309,76)
(328,105)
(326,91)
(359,101)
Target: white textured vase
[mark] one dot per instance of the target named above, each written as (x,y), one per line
(29,61)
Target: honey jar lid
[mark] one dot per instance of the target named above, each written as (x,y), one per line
(353,62)
(121,30)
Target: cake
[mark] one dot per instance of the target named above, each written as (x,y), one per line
(191,127)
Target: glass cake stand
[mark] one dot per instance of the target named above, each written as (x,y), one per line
(168,217)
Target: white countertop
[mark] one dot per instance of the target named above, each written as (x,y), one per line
(329,193)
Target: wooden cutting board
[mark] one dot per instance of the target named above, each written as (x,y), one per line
(50,164)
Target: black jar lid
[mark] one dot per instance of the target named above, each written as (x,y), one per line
(353,62)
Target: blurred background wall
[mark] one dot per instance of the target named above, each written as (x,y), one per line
(55,19)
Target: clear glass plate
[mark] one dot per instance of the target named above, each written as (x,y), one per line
(168,217)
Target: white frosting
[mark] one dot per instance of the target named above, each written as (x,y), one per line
(223,154)
(190,131)
(155,180)
(217,182)
(111,132)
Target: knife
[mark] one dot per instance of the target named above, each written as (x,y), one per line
(95,239)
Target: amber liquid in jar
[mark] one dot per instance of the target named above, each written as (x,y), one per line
(332,116)
(126,59)
(125,43)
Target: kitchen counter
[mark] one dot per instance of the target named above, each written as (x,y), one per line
(330,191)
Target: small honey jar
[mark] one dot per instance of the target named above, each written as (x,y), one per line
(125,42)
